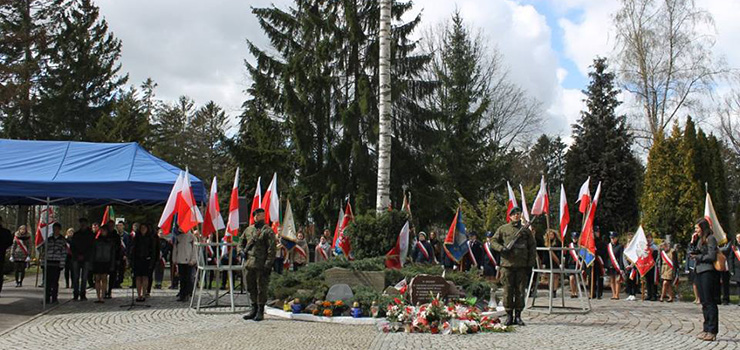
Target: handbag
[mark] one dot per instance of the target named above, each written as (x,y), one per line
(721,263)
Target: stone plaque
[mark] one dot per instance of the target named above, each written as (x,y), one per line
(340,292)
(338,275)
(423,287)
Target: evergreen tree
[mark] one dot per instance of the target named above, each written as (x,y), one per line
(205,134)
(170,132)
(81,73)
(602,149)
(659,196)
(320,81)
(24,31)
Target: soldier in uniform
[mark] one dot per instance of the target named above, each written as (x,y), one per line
(258,248)
(517,247)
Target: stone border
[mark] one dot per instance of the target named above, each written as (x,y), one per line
(311,318)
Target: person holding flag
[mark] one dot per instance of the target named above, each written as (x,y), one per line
(516,244)
(258,251)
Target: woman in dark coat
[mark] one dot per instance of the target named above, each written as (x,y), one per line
(705,253)
(144,255)
(104,256)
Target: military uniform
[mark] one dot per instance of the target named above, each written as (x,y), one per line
(258,247)
(516,263)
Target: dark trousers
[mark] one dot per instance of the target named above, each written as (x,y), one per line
(20,272)
(278,266)
(724,278)
(651,289)
(186,280)
(158,275)
(598,287)
(150,281)
(51,282)
(257,282)
(80,274)
(708,284)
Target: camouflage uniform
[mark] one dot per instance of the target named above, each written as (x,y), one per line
(258,246)
(516,263)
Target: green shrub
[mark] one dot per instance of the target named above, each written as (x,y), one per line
(373,236)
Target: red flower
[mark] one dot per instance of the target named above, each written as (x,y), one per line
(397,301)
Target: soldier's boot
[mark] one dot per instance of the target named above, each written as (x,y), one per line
(518,318)
(260,313)
(252,313)
(509,318)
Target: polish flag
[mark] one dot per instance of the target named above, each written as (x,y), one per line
(587,239)
(525,211)
(271,203)
(584,196)
(395,258)
(256,201)
(44,228)
(337,228)
(541,203)
(170,209)
(232,225)
(711,216)
(343,242)
(564,215)
(188,214)
(511,204)
(213,221)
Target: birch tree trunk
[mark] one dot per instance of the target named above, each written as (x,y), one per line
(384,106)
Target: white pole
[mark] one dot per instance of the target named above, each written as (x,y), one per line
(46,254)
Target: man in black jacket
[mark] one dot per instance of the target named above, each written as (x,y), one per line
(81,246)
(6,240)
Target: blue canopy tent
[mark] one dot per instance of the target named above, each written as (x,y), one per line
(86,173)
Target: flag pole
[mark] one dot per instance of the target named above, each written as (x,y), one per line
(46,255)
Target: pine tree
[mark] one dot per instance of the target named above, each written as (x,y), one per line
(602,149)
(170,138)
(659,195)
(24,31)
(81,72)
(205,134)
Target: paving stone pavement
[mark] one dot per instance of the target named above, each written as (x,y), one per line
(171,325)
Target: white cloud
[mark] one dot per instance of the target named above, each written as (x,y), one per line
(591,34)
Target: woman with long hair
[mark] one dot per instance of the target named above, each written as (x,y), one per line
(20,253)
(704,251)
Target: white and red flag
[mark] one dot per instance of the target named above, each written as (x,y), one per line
(564,214)
(511,203)
(232,223)
(337,228)
(44,227)
(188,214)
(343,244)
(584,196)
(256,201)
(395,258)
(271,202)
(711,216)
(213,221)
(541,203)
(170,208)
(525,211)
(639,253)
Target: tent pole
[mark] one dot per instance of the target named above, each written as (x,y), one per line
(46,254)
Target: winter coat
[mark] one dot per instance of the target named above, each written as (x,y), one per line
(16,251)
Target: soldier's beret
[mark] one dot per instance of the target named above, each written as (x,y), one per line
(257,211)
(516,210)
